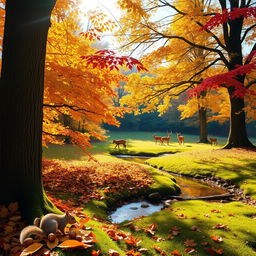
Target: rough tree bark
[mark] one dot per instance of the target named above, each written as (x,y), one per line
(22,84)
(237,132)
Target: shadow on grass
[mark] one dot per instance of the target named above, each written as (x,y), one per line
(234,239)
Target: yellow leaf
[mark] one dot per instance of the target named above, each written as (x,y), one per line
(31,249)
(71,244)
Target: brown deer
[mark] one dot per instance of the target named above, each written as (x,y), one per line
(180,138)
(167,138)
(119,142)
(213,141)
(158,138)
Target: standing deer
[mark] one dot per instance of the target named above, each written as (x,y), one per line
(158,138)
(213,141)
(167,138)
(119,142)
(180,138)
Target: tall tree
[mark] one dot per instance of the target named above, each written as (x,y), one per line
(223,48)
(22,82)
(72,88)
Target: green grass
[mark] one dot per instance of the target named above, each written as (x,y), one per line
(134,147)
(239,166)
(189,138)
(238,240)
(164,183)
(242,228)
(63,152)
(193,159)
(150,148)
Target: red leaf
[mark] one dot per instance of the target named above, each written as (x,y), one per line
(190,250)
(95,253)
(214,251)
(217,239)
(219,19)
(221,226)
(158,249)
(176,253)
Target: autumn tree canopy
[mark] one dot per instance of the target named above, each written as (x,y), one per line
(175,36)
(72,87)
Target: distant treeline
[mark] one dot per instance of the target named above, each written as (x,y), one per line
(171,122)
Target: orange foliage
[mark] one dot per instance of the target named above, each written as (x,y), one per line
(71,88)
(11,223)
(91,180)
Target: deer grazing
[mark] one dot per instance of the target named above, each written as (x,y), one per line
(167,138)
(119,142)
(213,141)
(158,138)
(180,138)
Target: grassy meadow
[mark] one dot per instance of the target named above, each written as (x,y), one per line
(138,143)
(185,228)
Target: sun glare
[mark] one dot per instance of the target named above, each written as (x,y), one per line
(109,7)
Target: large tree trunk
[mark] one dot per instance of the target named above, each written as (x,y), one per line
(203,125)
(237,132)
(22,84)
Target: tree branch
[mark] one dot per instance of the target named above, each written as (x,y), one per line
(213,35)
(247,31)
(248,59)
(193,44)
(72,107)
(252,82)
(51,134)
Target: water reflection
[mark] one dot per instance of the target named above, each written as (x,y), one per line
(133,210)
(189,187)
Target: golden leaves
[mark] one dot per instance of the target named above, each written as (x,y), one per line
(82,94)
(11,224)
(31,249)
(71,244)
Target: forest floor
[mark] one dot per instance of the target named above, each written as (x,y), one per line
(184,228)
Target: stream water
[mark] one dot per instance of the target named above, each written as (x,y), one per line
(189,188)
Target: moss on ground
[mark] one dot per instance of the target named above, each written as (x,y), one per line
(164,183)
(202,217)
(237,165)
(196,219)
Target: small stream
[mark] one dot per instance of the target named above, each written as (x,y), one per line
(189,188)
